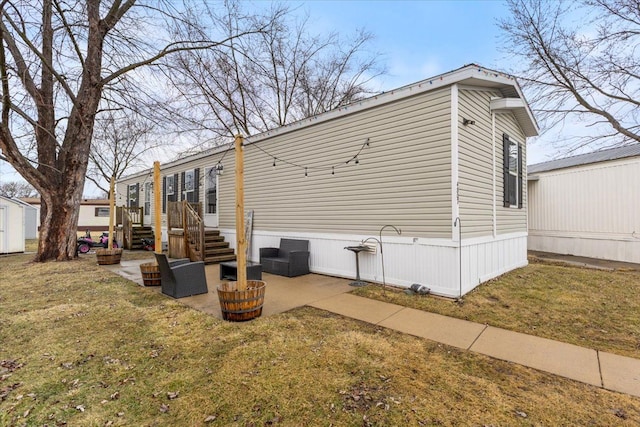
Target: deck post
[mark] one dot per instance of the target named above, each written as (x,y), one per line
(112,212)
(157,223)
(241,242)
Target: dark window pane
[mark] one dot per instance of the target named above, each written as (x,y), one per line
(513,189)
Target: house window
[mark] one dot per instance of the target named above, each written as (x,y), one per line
(512,172)
(133,191)
(102,212)
(187,186)
(190,185)
(147,198)
(170,185)
(169,193)
(211,191)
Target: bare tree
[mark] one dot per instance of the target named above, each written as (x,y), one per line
(120,141)
(272,78)
(58,60)
(17,189)
(580,59)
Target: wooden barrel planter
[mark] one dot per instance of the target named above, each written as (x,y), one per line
(109,256)
(239,306)
(150,274)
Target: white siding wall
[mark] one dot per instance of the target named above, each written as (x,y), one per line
(590,210)
(87,217)
(12,221)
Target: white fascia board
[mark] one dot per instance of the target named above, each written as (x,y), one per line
(498,104)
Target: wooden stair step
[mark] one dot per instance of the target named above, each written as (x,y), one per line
(210,245)
(219,251)
(219,258)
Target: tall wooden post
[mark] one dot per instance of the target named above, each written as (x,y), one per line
(241,241)
(157,224)
(112,210)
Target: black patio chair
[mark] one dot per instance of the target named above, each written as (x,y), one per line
(290,259)
(181,278)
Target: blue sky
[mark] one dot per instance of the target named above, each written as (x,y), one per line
(417,40)
(420,39)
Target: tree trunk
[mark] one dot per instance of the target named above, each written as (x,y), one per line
(59,211)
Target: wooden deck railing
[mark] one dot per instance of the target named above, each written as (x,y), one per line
(193,233)
(175,213)
(128,217)
(188,217)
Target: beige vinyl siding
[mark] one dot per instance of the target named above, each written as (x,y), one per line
(510,220)
(403,177)
(201,163)
(475,171)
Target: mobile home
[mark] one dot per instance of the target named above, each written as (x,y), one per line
(441,159)
(587,205)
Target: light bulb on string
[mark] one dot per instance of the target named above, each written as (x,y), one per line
(333,170)
(274,162)
(305,172)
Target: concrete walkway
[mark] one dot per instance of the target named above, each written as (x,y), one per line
(598,368)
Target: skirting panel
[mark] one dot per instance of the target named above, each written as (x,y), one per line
(616,250)
(431,262)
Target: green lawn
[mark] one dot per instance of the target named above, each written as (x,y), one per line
(82,347)
(590,308)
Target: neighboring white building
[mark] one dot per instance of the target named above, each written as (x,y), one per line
(31,219)
(93,216)
(12,217)
(442,159)
(587,205)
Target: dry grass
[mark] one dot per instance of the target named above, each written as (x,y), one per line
(590,308)
(93,349)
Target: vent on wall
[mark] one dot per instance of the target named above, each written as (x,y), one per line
(372,247)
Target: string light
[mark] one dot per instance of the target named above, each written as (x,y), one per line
(355,159)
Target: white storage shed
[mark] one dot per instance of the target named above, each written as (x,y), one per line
(12,220)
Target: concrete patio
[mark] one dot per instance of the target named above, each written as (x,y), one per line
(597,368)
(283,293)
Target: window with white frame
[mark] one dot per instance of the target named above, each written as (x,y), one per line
(170,185)
(189,180)
(147,198)
(211,191)
(512,172)
(104,212)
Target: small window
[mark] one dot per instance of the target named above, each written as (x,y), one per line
(147,198)
(211,191)
(104,212)
(512,172)
(170,185)
(188,180)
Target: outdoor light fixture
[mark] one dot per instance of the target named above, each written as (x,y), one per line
(219,169)
(468,122)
